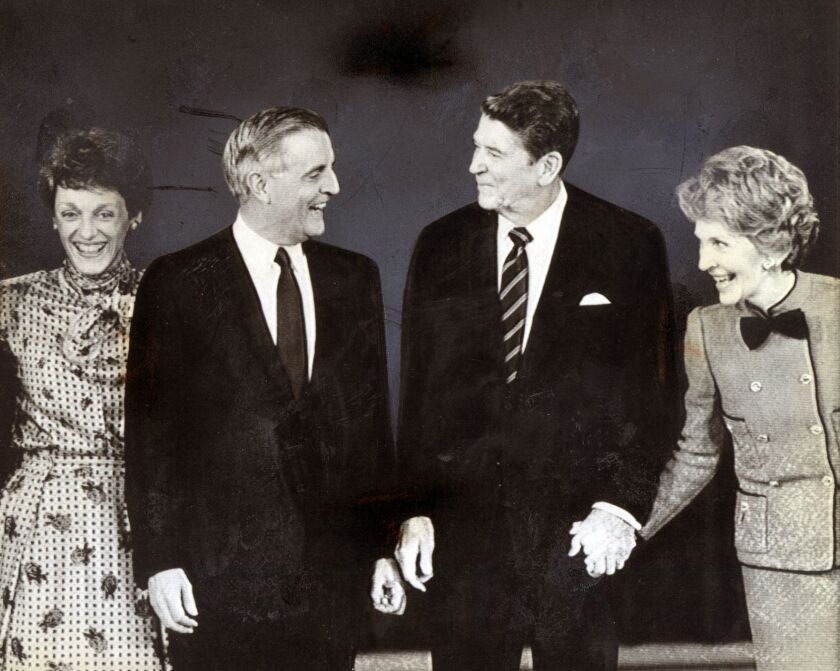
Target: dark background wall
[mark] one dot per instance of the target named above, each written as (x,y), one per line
(660,83)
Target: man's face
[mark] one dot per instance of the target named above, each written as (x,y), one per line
(300,181)
(506,176)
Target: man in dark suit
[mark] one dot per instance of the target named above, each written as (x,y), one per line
(257,418)
(536,367)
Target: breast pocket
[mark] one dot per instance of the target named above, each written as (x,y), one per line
(749,456)
(751,523)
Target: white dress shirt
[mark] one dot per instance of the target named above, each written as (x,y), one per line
(544,231)
(258,254)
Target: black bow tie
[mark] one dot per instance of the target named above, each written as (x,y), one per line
(754,330)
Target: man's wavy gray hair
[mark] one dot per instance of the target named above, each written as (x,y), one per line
(260,135)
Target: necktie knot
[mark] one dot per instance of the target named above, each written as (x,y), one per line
(520,236)
(281,258)
(755,330)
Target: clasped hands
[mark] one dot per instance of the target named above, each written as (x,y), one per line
(606,540)
(412,563)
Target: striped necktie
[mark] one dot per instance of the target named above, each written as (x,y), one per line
(514,298)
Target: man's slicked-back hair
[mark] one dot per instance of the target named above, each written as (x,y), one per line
(260,135)
(542,113)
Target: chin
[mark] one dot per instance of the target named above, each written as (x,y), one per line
(729,297)
(487,202)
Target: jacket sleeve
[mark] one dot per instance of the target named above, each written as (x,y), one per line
(693,464)
(415,474)
(375,470)
(154,383)
(645,401)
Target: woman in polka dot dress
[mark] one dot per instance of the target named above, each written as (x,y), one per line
(69,601)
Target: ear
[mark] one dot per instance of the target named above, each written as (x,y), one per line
(550,166)
(772,261)
(135,222)
(257,186)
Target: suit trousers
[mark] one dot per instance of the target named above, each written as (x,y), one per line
(224,643)
(486,609)
(794,618)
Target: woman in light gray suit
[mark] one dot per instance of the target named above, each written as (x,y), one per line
(763,365)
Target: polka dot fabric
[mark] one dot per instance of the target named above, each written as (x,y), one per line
(69,602)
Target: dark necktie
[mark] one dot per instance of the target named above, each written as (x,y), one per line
(754,330)
(291,331)
(514,298)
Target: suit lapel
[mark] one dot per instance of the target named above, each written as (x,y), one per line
(328,297)
(568,272)
(242,303)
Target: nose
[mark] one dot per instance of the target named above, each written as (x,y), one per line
(477,165)
(87,227)
(707,258)
(329,184)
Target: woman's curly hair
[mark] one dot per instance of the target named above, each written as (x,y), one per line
(97,158)
(758,194)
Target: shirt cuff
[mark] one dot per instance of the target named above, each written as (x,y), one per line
(618,512)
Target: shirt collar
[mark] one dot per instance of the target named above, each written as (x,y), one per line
(258,252)
(544,228)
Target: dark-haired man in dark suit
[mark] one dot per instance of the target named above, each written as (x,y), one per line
(257,418)
(536,366)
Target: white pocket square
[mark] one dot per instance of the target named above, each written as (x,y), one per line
(594,299)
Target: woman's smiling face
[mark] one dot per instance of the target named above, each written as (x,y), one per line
(734,263)
(92,224)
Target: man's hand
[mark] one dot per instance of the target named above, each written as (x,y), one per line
(415,546)
(171,596)
(606,539)
(387,591)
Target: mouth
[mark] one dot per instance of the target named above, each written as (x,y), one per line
(318,208)
(90,249)
(722,280)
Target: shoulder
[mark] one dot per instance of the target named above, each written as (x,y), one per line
(821,295)
(22,282)
(23,293)
(611,220)
(13,288)
(193,262)
(338,259)
(454,225)
(712,322)
(820,283)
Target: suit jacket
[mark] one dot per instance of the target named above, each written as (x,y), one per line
(781,405)
(582,421)
(253,493)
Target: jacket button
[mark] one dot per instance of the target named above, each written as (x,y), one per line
(762,438)
(816,429)
(828,480)
(745,505)
(755,386)
(805,378)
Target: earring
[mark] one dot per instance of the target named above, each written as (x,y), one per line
(767,264)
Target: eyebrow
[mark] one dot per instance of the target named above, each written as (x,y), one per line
(489,147)
(319,168)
